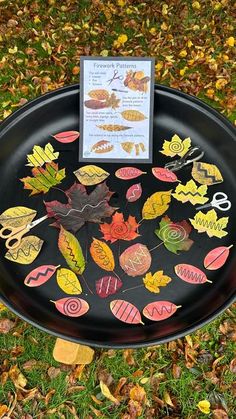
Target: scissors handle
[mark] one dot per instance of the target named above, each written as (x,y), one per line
(220,201)
(13,235)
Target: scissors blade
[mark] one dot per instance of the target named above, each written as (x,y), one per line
(36,222)
(204,206)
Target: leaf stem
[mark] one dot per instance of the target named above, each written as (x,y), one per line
(160,244)
(132,288)
(86,283)
(116,275)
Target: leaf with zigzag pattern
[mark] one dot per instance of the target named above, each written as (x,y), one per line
(191,193)
(71,250)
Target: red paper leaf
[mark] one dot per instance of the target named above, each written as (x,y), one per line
(108,285)
(190,273)
(127,173)
(126,312)
(72,306)
(66,136)
(136,260)
(164,174)
(40,275)
(216,258)
(119,229)
(159,310)
(134,192)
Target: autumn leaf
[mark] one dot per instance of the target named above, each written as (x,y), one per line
(204,406)
(17,377)
(176,147)
(81,207)
(156,205)
(71,250)
(191,193)
(102,255)
(42,155)
(175,236)
(106,393)
(210,223)
(43,178)
(153,281)
(119,229)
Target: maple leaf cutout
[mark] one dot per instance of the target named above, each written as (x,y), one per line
(191,193)
(81,207)
(153,282)
(175,236)
(119,229)
(209,223)
(176,147)
(43,178)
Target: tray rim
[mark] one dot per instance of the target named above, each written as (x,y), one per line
(6,124)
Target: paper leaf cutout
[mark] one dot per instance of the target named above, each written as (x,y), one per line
(190,273)
(102,255)
(176,147)
(134,192)
(72,306)
(153,281)
(119,229)
(175,236)
(159,310)
(108,285)
(17,216)
(206,174)
(40,275)
(136,260)
(216,258)
(210,224)
(164,174)
(91,175)
(68,281)
(71,250)
(43,179)
(26,252)
(66,137)
(42,155)
(128,173)
(125,312)
(81,207)
(191,193)
(156,205)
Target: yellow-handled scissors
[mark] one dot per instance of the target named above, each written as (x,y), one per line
(14,235)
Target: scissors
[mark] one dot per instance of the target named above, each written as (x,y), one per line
(192,155)
(14,235)
(219,201)
(114,77)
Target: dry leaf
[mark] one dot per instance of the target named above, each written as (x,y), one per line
(106,393)
(17,377)
(219,414)
(6,325)
(167,398)
(43,179)
(53,372)
(138,394)
(204,406)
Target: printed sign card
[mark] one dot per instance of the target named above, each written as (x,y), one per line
(116,103)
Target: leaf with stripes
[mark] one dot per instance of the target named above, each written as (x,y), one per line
(40,275)
(191,274)
(210,224)
(125,312)
(42,155)
(102,255)
(159,310)
(68,281)
(108,285)
(71,250)
(43,178)
(156,205)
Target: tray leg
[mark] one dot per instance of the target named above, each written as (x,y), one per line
(72,353)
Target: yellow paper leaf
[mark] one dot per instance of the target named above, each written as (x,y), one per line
(41,155)
(91,175)
(153,282)
(102,255)
(17,216)
(210,224)
(68,281)
(106,392)
(156,205)
(206,174)
(204,406)
(191,193)
(176,147)
(26,252)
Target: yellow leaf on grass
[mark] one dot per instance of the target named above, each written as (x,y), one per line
(156,205)
(176,147)
(230,41)
(17,377)
(191,193)
(204,406)
(210,224)
(68,281)
(102,255)
(3,410)
(106,393)
(138,394)
(42,155)
(153,282)
(122,39)
(167,399)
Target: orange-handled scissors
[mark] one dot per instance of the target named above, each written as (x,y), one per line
(14,235)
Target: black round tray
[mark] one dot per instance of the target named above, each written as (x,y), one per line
(174,112)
